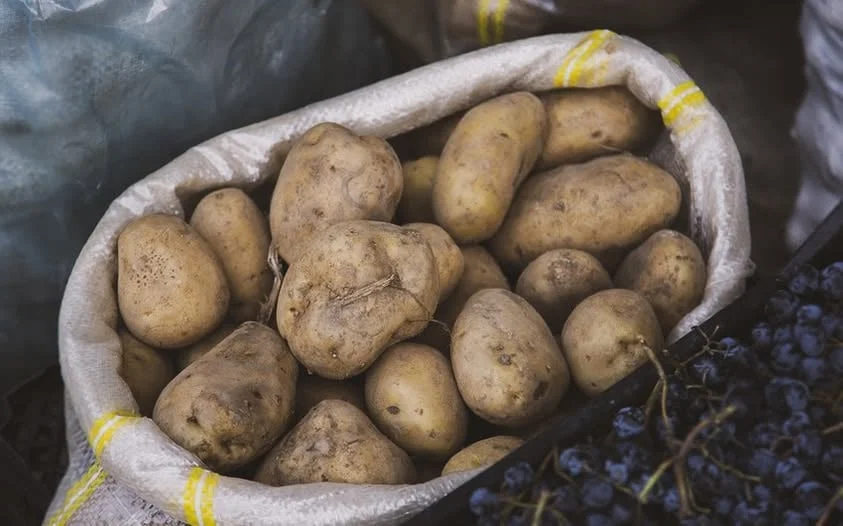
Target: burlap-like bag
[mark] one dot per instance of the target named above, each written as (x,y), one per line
(125,471)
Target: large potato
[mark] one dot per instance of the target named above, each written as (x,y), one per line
(360,287)
(336,442)
(190,354)
(606,336)
(555,282)
(446,253)
(232,404)
(587,123)
(332,175)
(313,389)
(603,207)
(413,399)
(507,364)
(416,204)
(146,371)
(483,453)
(171,288)
(239,235)
(669,271)
(488,155)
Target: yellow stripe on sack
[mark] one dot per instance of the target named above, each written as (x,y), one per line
(483,22)
(198,498)
(573,66)
(685,95)
(78,494)
(106,426)
(500,15)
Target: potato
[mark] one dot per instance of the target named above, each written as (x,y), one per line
(336,442)
(146,371)
(507,364)
(446,253)
(312,389)
(188,355)
(332,175)
(360,287)
(669,271)
(413,399)
(229,406)
(483,453)
(587,123)
(431,139)
(486,158)
(239,235)
(603,207)
(606,336)
(171,288)
(555,282)
(415,205)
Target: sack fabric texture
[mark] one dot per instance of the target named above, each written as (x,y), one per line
(124,470)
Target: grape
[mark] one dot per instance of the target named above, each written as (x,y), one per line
(810,314)
(723,506)
(832,463)
(789,473)
(699,520)
(785,358)
(762,463)
(696,464)
(811,498)
(794,518)
(727,343)
(762,335)
(617,471)
(705,371)
(805,280)
(597,519)
(629,422)
(764,434)
(748,514)
(831,282)
(783,334)
(835,360)
(565,499)
(522,517)
(573,461)
(482,501)
(781,307)
(623,512)
(786,394)
(596,493)
(830,323)
(811,340)
(742,356)
(796,423)
(671,500)
(808,446)
(761,492)
(518,477)
(635,457)
(813,370)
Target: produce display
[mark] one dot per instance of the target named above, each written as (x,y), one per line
(386,318)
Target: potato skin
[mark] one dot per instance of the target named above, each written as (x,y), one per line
(588,123)
(603,207)
(360,287)
(416,204)
(555,282)
(232,404)
(413,398)
(669,271)
(190,354)
(146,371)
(507,364)
(171,288)
(313,389)
(605,336)
(486,158)
(336,442)
(449,259)
(483,453)
(332,175)
(238,233)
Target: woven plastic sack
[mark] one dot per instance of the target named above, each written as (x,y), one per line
(128,467)
(819,121)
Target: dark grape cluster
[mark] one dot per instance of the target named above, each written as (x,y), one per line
(749,431)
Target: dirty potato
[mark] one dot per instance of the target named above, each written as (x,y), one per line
(483,453)
(446,253)
(146,371)
(416,204)
(313,389)
(190,354)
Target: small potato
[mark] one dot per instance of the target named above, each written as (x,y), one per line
(555,282)
(603,207)
(669,271)
(188,355)
(332,175)
(171,288)
(146,371)
(336,442)
(360,287)
(312,389)
(239,235)
(488,155)
(587,123)
(416,204)
(606,336)
(483,453)
(232,404)
(507,364)
(449,259)
(413,399)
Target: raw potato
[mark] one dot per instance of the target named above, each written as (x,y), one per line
(146,371)
(190,354)
(555,282)
(171,288)
(483,453)
(312,389)
(232,404)
(446,253)
(507,364)
(606,336)
(603,207)
(332,175)
(416,204)
(336,442)
(413,399)
(239,235)
(431,139)
(361,287)
(669,271)
(587,123)
(488,155)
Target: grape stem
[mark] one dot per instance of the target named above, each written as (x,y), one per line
(663,380)
(833,429)
(537,513)
(829,508)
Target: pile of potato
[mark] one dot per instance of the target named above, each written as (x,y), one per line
(393,347)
